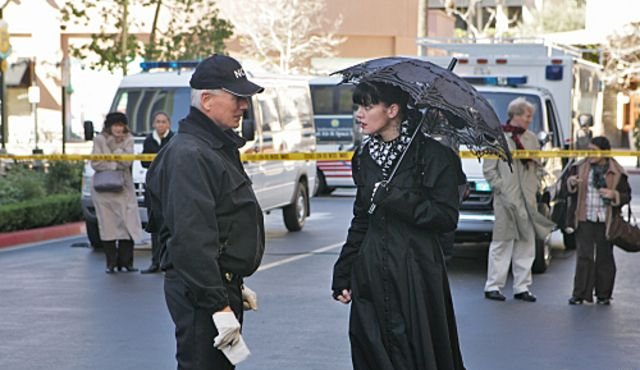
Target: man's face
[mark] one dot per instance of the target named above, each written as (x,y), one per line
(161,124)
(523,120)
(224,108)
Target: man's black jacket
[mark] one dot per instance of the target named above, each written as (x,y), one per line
(211,220)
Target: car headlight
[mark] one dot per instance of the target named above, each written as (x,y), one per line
(482,185)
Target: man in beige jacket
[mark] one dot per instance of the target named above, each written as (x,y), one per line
(517,221)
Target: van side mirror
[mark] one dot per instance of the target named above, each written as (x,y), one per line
(248,129)
(88,130)
(544,137)
(585,120)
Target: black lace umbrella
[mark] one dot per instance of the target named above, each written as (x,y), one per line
(469,117)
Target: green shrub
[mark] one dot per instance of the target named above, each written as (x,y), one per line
(20,184)
(64,177)
(52,210)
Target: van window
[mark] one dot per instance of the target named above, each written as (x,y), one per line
(269,110)
(553,124)
(139,104)
(333,113)
(500,101)
(294,107)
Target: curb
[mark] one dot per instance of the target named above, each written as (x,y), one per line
(15,238)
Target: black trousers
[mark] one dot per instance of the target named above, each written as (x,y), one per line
(194,326)
(120,254)
(156,249)
(595,265)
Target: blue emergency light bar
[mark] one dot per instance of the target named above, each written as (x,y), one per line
(147,66)
(496,80)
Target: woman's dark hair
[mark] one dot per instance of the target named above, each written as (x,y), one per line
(113,118)
(601,142)
(369,93)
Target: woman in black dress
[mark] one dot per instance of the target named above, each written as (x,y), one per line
(391,268)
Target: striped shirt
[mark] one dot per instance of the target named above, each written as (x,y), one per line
(596,210)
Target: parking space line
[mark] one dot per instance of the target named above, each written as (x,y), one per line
(299,257)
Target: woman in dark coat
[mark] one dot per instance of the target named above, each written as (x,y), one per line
(391,268)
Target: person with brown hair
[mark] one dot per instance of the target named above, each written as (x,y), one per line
(598,187)
(117,211)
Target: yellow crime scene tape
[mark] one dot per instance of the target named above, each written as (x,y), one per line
(321,156)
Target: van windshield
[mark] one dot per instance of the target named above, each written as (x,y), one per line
(140,104)
(500,101)
(333,113)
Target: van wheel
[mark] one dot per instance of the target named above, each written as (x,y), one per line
(93,233)
(295,213)
(322,188)
(543,257)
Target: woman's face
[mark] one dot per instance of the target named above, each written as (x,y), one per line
(117,130)
(161,124)
(378,119)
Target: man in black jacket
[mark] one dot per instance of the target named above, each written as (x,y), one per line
(212,224)
(152,144)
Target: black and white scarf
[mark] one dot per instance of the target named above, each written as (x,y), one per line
(387,153)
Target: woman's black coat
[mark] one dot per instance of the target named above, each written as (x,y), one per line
(402,315)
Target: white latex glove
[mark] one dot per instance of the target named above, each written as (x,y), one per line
(249,299)
(237,352)
(228,329)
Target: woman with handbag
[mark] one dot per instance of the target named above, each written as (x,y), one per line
(114,196)
(598,188)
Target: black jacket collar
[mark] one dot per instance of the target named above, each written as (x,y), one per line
(198,124)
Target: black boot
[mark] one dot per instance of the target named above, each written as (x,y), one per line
(111,253)
(125,256)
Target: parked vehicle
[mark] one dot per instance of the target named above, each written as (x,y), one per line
(279,120)
(576,84)
(335,130)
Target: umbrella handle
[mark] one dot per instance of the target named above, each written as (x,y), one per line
(452,64)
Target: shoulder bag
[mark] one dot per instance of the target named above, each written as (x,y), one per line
(623,234)
(108,181)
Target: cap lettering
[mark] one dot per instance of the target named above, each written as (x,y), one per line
(239,73)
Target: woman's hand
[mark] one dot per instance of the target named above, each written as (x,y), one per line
(573,180)
(607,193)
(344,296)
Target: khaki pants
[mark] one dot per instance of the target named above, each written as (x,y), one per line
(517,253)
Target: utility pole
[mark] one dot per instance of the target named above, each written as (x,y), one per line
(423,30)
(125,36)
(5,49)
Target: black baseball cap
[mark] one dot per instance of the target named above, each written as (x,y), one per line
(223,72)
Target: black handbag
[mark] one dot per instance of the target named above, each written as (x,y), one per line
(108,181)
(623,234)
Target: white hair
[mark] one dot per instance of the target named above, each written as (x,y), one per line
(197,93)
(518,106)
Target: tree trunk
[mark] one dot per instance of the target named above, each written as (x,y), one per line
(125,35)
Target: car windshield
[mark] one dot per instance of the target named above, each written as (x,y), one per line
(500,101)
(140,104)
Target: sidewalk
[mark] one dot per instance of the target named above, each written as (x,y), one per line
(14,238)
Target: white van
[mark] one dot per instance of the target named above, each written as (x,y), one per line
(279,120)
(336,130)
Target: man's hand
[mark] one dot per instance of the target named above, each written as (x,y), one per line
(249,299)
(344,296)
(228,329)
